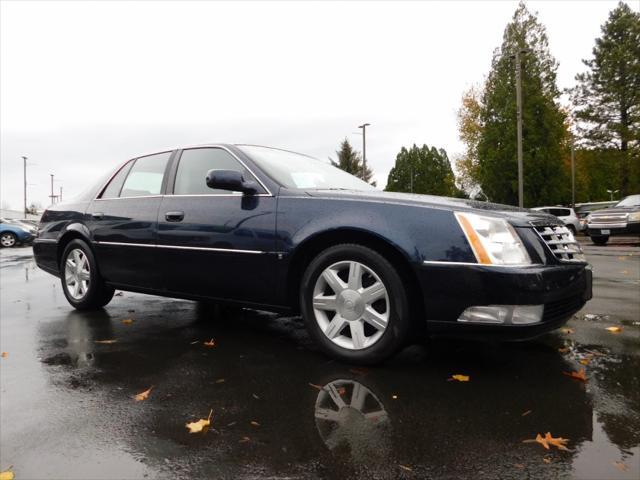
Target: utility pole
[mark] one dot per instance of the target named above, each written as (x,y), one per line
(53,197)
(519,128)
(573,174)
(24,167)
(60,198)
(364,148)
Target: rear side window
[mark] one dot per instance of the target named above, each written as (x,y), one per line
(145,176)
(115,185)
(559,212)
(194,165)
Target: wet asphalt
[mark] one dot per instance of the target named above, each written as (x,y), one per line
(281,409)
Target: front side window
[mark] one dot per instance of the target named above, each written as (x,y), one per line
(559,212)
(194,165)
(145,176)
(630,201)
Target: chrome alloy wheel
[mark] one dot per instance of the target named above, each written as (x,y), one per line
(77,273)
(7,240)
(351,305)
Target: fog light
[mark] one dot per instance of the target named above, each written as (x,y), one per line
(523,314)
(489,314)
(508,314)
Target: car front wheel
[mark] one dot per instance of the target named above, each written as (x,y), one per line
(354,304)
(81,281)
(600,239)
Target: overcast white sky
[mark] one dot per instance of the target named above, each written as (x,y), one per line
(86,85)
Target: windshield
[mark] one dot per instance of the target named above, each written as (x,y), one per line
(630,201)
(294,170)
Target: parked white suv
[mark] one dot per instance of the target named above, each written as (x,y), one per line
(567,215)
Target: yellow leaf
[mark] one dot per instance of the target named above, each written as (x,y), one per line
(210,343)
(143,395)
(585,360)
(460,378)
(614,329)
(404,467)
(106,342)
(220,380)
(200,425)
(127,321)
(579,375)
(5,354)
(7,475)
(548,440)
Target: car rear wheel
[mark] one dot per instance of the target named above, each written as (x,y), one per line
(8,239)
(600,239)
(81,281)
(354,304)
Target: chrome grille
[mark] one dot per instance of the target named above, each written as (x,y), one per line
(561,242)
(608,218)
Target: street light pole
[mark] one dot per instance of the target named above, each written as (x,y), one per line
(24,171)
(52,195)
(573,174)
(519,128)
(364,149)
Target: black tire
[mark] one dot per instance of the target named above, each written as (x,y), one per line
(97,294)
(600,239)
(8,240)
(399,321)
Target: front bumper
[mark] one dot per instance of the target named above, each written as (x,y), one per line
(631,228)
(449,289)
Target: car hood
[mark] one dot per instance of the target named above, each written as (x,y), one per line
(520,217)
(614,210)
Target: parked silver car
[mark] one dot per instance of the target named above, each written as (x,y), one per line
(567,215)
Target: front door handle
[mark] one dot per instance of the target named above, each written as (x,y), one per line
(97,215)
(174,216)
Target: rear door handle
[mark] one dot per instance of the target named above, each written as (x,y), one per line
(174,216)
(97,216)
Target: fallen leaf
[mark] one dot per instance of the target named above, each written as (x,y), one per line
(568,331)
(526,413)
(194,342)
(5,354)
(548,440)
(519,466)
(404,467)
(245,439)
(200,425)
(255,396)
(620,466)
(459,378)
(546,460)
(614,329)
(585,360)
(315,386)
(625,272)
(563,349)
(579,375)
(106,342)
(210,343)
(254,423)
(7,474)
(127,321)
(220,380)
(596,353)
(143,395)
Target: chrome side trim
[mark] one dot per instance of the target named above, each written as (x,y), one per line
(180,247)
(471,264)
(127,198)
(45,240)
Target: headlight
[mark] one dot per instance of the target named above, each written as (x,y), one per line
(493,240)
(634,217)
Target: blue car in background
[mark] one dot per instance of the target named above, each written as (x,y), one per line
(13,233)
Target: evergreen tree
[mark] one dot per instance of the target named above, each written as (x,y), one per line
(544,130)
(350,161)
(422,170)
(607,97)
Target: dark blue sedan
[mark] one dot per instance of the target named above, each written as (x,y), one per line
(14,233)
(369,271)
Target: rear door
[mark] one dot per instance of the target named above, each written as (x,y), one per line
(124,223)
(217,243)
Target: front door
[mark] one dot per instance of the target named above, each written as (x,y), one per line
(124,223)
(216,243)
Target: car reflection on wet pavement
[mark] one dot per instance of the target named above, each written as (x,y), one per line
(282,409)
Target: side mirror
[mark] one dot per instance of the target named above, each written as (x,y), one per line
(230,180)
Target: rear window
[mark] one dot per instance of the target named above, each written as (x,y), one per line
(146,175)
(559,212)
